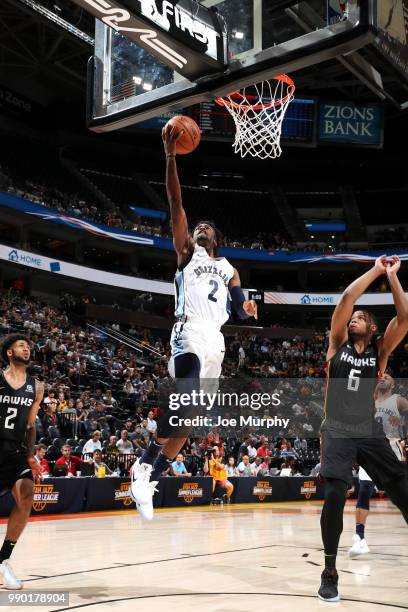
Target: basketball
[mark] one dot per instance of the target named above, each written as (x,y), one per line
(191,137)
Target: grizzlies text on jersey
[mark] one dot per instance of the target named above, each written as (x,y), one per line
(202,288)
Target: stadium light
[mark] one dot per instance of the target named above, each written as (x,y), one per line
(59,21)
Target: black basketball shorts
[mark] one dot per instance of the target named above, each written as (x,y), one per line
(374,454)
(13,466)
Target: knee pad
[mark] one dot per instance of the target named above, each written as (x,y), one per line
(364,493)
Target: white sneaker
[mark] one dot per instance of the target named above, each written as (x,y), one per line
(360,547)
(9,579)
(141,489)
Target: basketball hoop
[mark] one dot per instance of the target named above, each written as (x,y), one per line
(258,114)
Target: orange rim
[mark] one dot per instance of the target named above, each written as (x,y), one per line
(284,78)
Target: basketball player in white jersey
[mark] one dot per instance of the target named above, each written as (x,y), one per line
(205,284)
(389,407)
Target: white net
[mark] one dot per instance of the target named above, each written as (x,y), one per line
(258,114)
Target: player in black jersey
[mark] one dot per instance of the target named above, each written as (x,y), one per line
(20,397)
(356,356)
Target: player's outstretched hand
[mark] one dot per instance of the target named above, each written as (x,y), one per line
(251,308)
(381,264)
(170,136)
(35,468)
(393,266)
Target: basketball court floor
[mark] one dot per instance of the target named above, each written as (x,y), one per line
(215,559)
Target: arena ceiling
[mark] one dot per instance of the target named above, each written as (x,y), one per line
(45,46)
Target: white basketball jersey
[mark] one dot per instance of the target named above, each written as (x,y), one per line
(202,288)
(384,410)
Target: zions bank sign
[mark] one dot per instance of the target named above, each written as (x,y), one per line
(348,123)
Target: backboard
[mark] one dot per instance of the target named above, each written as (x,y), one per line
(128,85)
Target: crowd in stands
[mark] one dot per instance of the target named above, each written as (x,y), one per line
(102,395)
(73,203)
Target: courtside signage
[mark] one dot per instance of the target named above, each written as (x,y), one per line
(352,124)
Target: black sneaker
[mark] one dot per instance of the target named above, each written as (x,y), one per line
(328,587)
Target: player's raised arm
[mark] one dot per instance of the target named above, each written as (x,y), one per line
(244,308)
(344,309)
(182,240)
(397,328)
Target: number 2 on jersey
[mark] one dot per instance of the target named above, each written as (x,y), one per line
(211,295)
(11,412)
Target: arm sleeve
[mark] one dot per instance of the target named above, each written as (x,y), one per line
(237,299)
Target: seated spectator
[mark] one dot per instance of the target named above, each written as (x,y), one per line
(50,399)
(196,448)
(231,468)
(50,418)
(245,468)
(71,462)
(124,445)
(178,468)
(109,401)
(130,428)
(93,444)
(151,425)
(252,451)
(97,462)
(61,402)
(129,389)
(144,431)
(256,466)
(264,450)
(265,466)
(300,444)
(111,448)
(40,450)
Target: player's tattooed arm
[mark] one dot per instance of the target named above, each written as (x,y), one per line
(182,240)
(244,308)
(397,328)
(31,430)
(344,309)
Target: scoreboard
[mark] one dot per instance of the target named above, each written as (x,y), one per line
(299,125)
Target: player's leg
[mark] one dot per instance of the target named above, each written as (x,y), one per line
(22,492)
(388,473)
(191,373)
(338,455)
(365,492)
(145,473)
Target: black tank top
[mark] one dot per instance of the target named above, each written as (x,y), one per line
(15,406)
(351,380)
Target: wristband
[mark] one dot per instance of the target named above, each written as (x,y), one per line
(170,155)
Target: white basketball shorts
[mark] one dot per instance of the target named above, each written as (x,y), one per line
(202,338)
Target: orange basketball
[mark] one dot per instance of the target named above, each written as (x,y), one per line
(190,139)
